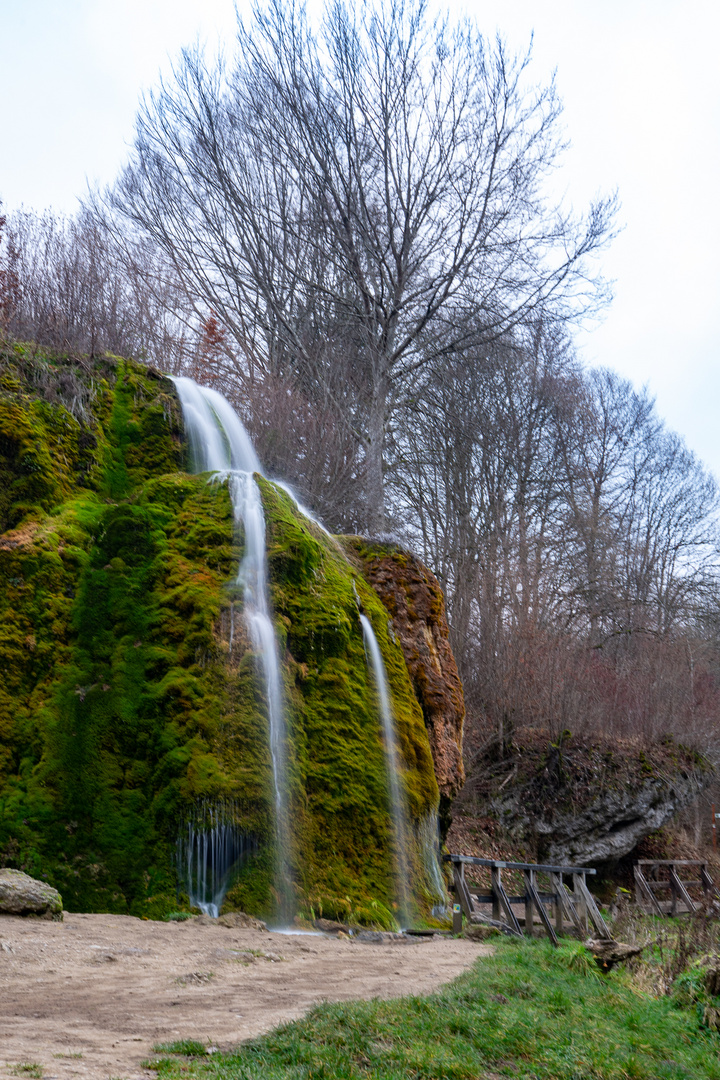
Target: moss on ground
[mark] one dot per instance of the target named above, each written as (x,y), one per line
(129,691)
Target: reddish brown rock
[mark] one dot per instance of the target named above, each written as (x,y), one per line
(414,599)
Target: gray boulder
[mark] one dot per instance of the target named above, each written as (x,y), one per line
(21,894)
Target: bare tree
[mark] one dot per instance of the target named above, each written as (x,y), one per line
(67,284)
(381,169)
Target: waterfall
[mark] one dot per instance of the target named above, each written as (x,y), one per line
(220,444)
(397,801)
(209,850)
(429,844)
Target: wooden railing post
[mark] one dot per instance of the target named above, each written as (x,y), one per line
(580,902)
(495,882)
(529,912)
(559,925)
(673,891)
(575,907)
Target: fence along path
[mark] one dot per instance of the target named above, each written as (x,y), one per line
(653,876)
(573,909)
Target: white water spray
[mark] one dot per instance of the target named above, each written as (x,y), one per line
(392,758)
(209,850)
(429,845)
(220,444)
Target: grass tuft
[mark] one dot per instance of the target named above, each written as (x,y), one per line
(186,1047)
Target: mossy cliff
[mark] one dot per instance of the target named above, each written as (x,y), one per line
(412,595)
(129,693)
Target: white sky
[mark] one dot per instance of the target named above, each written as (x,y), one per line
(641,84)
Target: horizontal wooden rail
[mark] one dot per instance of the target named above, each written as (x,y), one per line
(576,907)
(500,864)
(647,884)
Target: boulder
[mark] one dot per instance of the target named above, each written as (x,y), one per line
(608,952)
(21,894)
(481,931)
(238,920)
(330,926)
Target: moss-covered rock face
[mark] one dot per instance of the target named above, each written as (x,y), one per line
(129,693)
(414,600)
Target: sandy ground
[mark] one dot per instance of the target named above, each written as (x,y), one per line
(89,997)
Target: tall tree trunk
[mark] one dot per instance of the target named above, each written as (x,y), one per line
(374,478)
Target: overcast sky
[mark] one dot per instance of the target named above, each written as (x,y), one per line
(641,87)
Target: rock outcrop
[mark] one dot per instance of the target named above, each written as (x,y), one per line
(130,694)
(414,599)
(21,894)
(577,803)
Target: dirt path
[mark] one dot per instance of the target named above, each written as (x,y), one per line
(89,997)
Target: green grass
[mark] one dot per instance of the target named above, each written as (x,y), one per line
(185,1047)
(527,1012)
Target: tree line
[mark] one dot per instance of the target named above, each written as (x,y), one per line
(349,229)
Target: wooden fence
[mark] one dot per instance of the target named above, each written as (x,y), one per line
(656,877)
(545,893)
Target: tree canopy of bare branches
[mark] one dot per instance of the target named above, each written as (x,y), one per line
(375,180)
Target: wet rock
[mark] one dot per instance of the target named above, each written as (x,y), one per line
(21,894)
(329,926)
(386,937)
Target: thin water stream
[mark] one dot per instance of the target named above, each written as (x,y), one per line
(398,810)
(209,850)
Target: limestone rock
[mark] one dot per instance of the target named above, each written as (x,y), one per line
(386,937)
(21,894)
(414,599)
(235,920)
(480,931)
(583,803)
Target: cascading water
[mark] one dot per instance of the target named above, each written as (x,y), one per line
(429,845)
(397,801)
(209,850)
(220,444)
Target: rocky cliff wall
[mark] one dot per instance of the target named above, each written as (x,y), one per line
(129,693)
(576,802)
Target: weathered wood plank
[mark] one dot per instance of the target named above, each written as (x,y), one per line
(642,889)
(503,865)
(680,890)
(535,899)
(566,903)
(504,901)
(592,908)
(708,884)
(671,862)
(461,891)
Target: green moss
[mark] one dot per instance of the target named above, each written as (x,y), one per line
(123,701)
(340,798)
